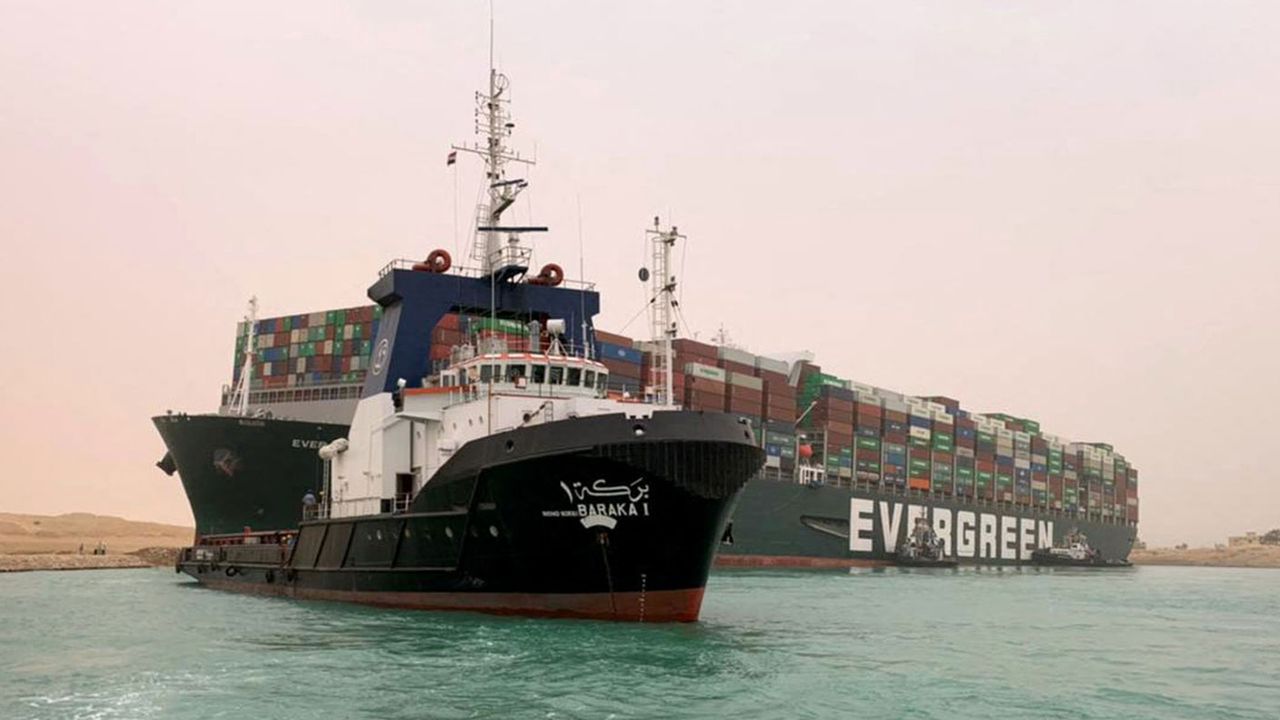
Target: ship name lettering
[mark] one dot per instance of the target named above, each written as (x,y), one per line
(308,444)
(964,533)
(613,509)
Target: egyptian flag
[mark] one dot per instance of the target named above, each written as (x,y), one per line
(453,157)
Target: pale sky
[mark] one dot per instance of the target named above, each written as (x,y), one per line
(1065,211)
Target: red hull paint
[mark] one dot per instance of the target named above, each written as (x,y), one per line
(651,606)
(795,561)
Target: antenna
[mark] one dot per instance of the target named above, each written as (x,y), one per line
(586,341)
(497,247)
(662,310)
(238,404)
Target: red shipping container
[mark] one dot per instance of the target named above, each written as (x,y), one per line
(780,415)
(771,377)
(895,438)
(613,339)
(895,416)
(737,367)
(695,350)
(869,410)
(867,454)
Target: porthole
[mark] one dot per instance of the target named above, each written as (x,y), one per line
(638,429)
(493,530)
(511,445)
(448,532)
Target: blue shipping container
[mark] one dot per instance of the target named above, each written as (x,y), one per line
(618,352)
(921,422)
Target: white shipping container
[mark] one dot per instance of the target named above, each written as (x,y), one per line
(919,432)
(1022,463)
(942,416)
(964,452)
(346,332)
(778,366)
(300,365)
(315,319)
(704,371)
(328,347)
(746,381)
(736,355)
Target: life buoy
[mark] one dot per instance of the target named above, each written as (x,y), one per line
(231,571)
(551,275)
(437,262)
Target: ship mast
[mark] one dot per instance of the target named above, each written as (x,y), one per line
(238,404)
(497,248)
(662,312)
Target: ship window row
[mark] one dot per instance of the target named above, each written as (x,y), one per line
(536,374)
(265,397)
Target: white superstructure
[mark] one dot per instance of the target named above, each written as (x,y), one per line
(399,441)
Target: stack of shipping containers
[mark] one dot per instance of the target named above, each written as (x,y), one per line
(322,348)
(861,435)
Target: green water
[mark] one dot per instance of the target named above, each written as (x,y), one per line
(1144,643)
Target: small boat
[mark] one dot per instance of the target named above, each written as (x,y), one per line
(1074,552)
(923,548)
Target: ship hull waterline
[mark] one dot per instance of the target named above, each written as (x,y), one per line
(780,523)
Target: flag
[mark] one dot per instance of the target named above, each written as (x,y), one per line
(453,157)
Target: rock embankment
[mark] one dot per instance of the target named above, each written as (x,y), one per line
(64,561)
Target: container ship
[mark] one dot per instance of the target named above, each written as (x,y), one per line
(848,466)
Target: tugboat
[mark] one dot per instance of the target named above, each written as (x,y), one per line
(1074,552)
(508,481)
(923,548)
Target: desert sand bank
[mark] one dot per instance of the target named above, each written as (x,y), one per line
(1252,556)
(34,534)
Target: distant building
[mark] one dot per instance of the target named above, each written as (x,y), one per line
(1249,538)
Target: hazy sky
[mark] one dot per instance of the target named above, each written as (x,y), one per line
(1066,211)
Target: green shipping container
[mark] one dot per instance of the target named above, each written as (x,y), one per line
(917,464)
(868,443)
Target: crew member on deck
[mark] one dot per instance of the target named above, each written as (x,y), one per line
(308,505)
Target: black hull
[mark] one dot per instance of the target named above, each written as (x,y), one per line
(580,518)
(781,523)
(242,472)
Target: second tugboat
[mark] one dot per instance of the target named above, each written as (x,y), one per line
(509,481)
(1074,552)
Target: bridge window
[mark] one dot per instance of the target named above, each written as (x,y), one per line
(601,381)
(486,373)
(515,372)
(588,378)
(539,374)
(557,375)
(574,377)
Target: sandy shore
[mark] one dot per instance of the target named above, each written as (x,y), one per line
(1252,556)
